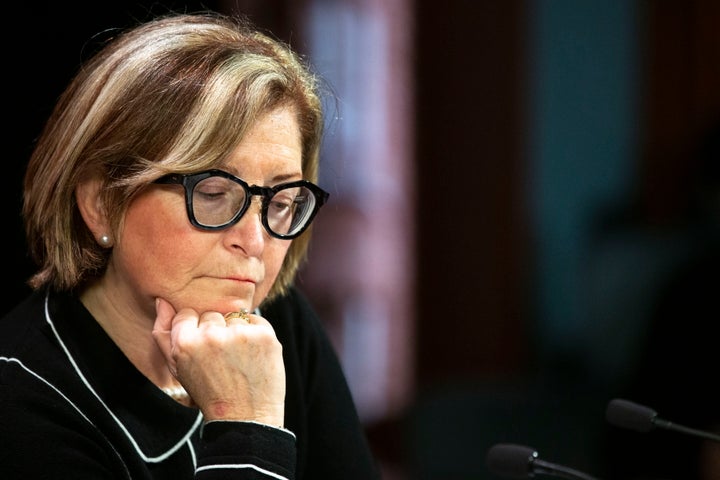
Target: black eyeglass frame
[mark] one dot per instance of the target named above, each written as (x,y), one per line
(189,181)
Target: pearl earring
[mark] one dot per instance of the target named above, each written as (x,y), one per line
(105,241)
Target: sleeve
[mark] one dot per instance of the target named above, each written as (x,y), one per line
(320,409)
(259,452)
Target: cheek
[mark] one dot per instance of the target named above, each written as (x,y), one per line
(156,243)
(273,257)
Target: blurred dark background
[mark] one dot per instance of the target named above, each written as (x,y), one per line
(523,222)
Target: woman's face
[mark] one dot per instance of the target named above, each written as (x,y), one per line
(159,253)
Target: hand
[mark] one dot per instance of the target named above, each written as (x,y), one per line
(232,371)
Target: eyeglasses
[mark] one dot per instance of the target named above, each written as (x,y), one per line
(216,199)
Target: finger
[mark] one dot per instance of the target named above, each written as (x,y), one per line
(210,319)
(259,321)
(237,318)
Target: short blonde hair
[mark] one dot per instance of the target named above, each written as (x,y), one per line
(175,94)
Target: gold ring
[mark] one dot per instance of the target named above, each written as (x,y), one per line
(242,314)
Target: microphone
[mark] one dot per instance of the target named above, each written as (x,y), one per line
(517,461)
(630,415)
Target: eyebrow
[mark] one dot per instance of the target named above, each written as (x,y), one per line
(286,177)
(281,178)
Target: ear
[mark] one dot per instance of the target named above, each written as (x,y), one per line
(87,196)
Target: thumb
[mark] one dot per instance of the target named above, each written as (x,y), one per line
(161,330)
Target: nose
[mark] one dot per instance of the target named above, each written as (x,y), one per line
(249,233)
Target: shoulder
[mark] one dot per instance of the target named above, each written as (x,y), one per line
(33,375)
(23,326)
(32,362)
(293,311)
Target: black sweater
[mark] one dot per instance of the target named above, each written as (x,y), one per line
(73,407)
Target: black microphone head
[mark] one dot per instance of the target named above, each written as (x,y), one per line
(510,460)
(630,415)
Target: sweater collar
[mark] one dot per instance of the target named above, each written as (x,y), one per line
(154,423)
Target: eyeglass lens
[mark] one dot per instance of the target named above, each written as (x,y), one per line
(217,200)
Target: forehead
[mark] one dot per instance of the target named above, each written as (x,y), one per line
(271,147)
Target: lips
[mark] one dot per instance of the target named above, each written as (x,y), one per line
(240,279)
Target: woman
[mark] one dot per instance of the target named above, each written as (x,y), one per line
(167,198)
